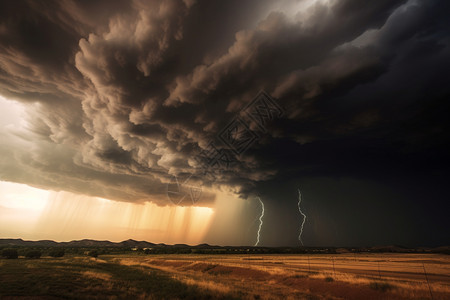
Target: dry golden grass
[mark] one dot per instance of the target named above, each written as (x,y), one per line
(342,276)
(207,284)
(98,275)
(387,276)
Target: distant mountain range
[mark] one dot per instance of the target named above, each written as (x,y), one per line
(79,243)
(87,243)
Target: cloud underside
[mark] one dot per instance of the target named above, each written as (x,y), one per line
(121,96)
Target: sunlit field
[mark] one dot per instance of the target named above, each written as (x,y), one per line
(192,276)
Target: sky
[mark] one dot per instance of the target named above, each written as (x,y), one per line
(226,122)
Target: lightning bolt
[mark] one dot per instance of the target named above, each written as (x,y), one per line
(260,221)
(304,216)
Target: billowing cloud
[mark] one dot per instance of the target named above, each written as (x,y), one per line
(120,96)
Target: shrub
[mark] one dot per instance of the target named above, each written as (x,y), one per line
(329,279)
(10,253)
(381,286)
(93,253)
(57,253)
(33,254)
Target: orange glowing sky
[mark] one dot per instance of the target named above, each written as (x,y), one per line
(33,213)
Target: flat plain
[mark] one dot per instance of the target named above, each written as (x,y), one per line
(230,276)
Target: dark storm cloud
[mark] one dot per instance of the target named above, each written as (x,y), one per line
(388,133)
(121,95)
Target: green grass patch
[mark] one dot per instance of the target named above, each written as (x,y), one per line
(66,278)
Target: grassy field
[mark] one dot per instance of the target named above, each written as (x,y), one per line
(178,276)
(91,278)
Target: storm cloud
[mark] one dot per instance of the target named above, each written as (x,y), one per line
(119,96)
